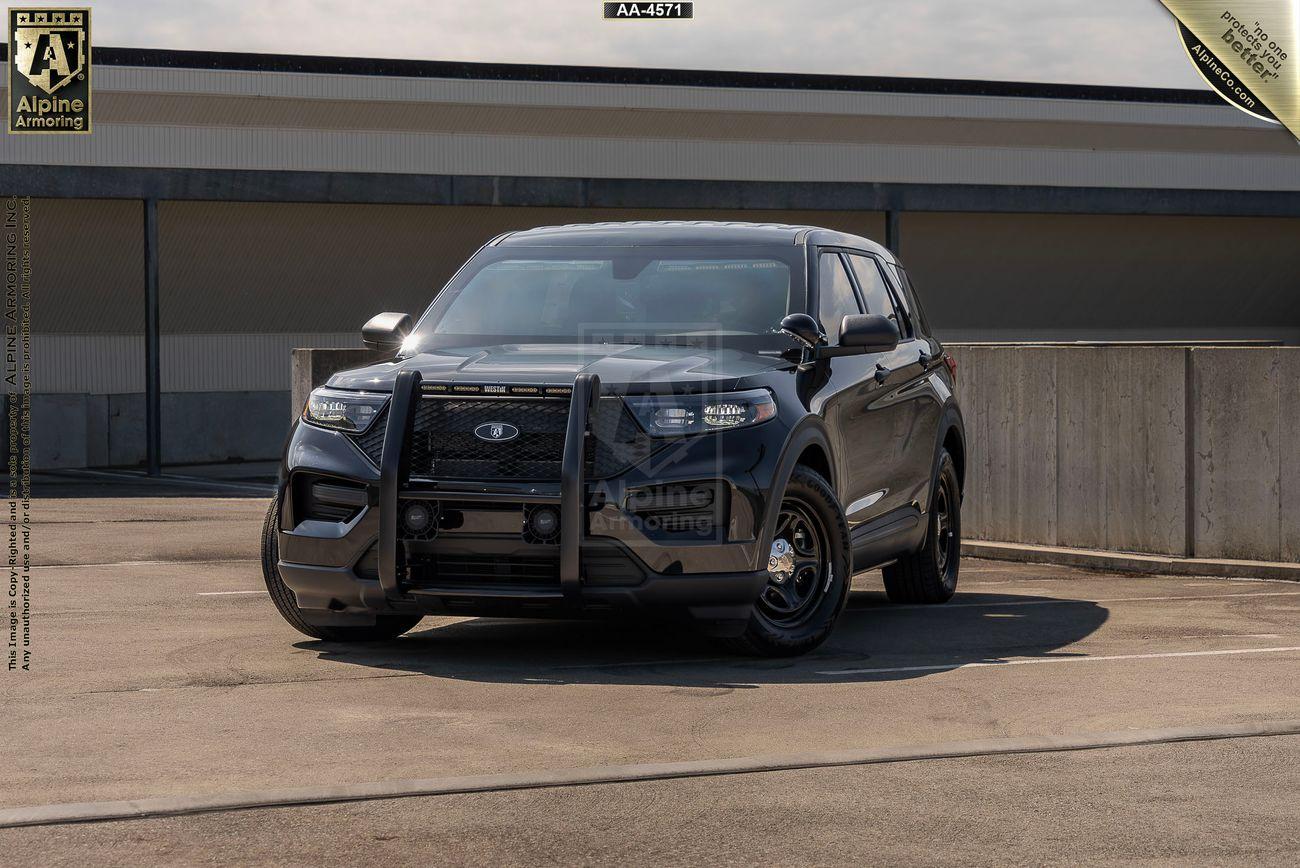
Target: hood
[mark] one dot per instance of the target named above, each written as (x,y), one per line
(622,368)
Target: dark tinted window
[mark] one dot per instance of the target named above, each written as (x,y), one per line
(571,297)
(733,295)
(836,297)
(874,290)
(911,301)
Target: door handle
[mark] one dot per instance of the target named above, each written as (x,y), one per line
(882,373)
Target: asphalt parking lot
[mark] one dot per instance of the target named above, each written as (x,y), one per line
(164,672)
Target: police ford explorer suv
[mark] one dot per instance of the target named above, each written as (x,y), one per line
(718,422)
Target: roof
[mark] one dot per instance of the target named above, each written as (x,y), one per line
(683,232)
(252,62)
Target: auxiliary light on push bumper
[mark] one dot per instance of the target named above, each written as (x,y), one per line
(394,473)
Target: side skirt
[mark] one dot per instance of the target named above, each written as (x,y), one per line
(886,537)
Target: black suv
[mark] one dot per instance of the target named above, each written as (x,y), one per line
(721,421)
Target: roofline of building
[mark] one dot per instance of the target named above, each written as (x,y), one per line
(167,58)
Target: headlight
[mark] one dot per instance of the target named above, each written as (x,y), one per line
(668,415)
(353,412)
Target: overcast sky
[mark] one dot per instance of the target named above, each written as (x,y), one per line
(1130,42)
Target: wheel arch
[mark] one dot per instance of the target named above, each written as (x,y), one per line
(952,437)
(807,444)
(815,455)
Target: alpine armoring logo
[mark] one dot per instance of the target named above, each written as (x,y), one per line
(49,71)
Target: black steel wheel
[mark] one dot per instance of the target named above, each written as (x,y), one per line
(797,566)
(808,572)
(930,574)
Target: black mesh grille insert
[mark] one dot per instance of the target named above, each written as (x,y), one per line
(372,442)
(443,444)
(468,571)
(617,442)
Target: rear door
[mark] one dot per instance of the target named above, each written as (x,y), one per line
(909,409)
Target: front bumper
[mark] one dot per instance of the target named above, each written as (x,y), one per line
(721,602)
(351,571)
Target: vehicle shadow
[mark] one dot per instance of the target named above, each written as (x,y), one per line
(874,641)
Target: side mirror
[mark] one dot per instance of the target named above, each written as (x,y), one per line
(804,329)
(869,333)
(386,331)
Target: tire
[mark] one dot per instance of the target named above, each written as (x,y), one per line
(795,615)
(385,626)
(930,575)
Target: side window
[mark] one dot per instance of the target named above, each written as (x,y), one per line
(912,301)
(874,289)
(835,293)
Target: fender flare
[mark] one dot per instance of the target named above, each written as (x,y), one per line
(951,420)
(807,432)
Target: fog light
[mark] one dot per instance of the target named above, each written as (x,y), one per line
(420,519)
(541,524)
(545,522)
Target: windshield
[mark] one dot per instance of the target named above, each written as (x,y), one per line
(616,295)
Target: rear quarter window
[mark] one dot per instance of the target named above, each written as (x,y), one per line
(910,300)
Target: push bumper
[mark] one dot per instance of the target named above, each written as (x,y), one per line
(721,598)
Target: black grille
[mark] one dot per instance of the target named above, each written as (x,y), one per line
(372,442)
(443,444)
(469,571)
(617,442)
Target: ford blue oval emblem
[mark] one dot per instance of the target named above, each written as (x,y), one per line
(496,432)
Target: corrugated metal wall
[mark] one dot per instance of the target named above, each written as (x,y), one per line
(112,364)
(240,284)
(195,118)
(1074,277)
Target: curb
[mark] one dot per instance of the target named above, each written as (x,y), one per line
(1097,559)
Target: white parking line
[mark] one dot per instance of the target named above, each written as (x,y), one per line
(199,562)
(1233,636)
(938,667)
(227,593)
(1058,602)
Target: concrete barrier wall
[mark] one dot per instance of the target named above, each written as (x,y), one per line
(1185,451)
(1246,453)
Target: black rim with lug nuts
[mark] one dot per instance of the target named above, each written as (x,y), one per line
(796,566)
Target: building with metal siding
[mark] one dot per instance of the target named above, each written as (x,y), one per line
(297,196)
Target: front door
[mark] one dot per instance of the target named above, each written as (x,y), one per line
(914,410)
(855,407)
